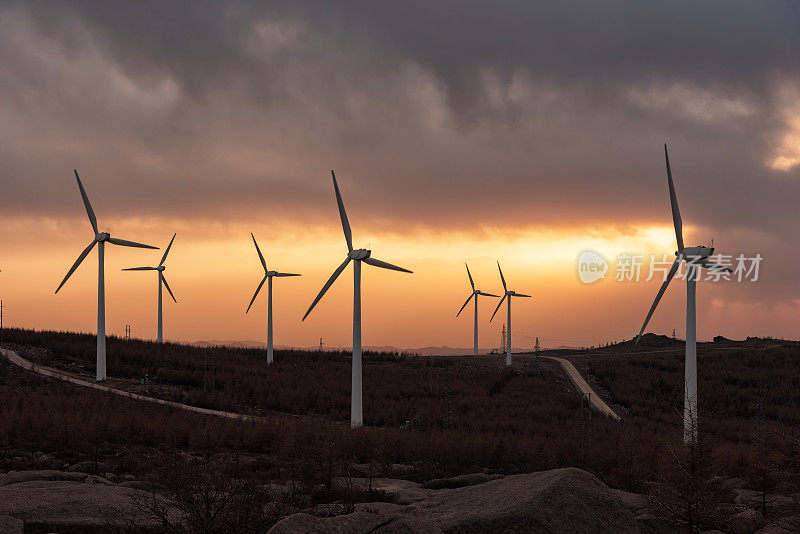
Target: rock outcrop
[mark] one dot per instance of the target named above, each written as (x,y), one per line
(562,500)
(54,501)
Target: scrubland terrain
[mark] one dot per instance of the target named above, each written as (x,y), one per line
(427,418)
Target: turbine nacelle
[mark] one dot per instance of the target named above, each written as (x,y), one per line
(695,253)
(268,275)
(102,236)
(359,254)
(161,268)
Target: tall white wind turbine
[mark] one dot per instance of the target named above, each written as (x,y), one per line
(475,293)
(508,294)
(162,280)
(695,258)
(268,275)
(356,256)
(100,239)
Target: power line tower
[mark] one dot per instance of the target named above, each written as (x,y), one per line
(128,332)
(503,340)
(320,344)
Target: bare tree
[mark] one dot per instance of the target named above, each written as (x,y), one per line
(210,497)
(689,495)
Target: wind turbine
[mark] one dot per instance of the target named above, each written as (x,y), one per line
(356,256)
(161,280)
(475,293)
(100,239)
(268,275)
(508,294)
(695,258)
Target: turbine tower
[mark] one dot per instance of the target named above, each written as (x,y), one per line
(507,294)
(161,280)
(475,293)
(356,256)
(695,258)
(268,275)
(100,239)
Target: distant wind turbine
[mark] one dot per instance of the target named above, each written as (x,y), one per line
(356,256)
(161,280)
(268,275)
(508,294)
(100,239)
(695,258)
(475,293)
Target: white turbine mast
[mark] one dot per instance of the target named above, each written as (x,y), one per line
(508,294)
(475,293)
(695,258)
(268,275)
(100,239)
(356,256)
(162,280)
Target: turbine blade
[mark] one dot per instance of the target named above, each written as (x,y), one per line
(384,265)
(124,243)
(77,262)
(256,293)
(501,277)
(164,257)
(164,279)
(87,204)
(465,304)
(286,274)
(670,274)
(521,295)
(348,235)
(713,266)
(673,200)
(328,284)
(141,269)
(260,256)
(498,307)
(471,282)
(487,294)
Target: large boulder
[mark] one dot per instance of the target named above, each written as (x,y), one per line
(15,477)
(378,518)
(744,522)
(68,506)
(752,499)
(561,500)
(11,525)
(460,481)
(91,467)
(388,486)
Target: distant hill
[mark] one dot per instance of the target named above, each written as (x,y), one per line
(423,351)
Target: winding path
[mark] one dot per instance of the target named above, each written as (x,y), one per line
(585,389)
(19,361)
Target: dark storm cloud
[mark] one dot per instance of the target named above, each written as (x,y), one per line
(546,113)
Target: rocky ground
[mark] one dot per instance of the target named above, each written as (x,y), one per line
(560,500)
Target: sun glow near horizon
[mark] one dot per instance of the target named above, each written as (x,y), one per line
(213,270)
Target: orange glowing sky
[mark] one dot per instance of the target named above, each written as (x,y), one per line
(492,138)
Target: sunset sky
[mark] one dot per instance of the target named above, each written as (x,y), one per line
(459,132)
